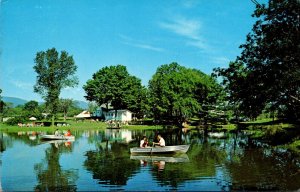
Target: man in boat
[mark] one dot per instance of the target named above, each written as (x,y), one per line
(161,142)
(144,142)
(56,133)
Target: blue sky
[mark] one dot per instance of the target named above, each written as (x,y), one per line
(140,34)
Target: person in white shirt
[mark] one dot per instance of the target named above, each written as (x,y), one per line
(161,141)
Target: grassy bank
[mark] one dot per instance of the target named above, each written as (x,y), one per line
(276,132)
(73,125)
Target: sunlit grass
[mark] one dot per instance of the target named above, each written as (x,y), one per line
(75,125)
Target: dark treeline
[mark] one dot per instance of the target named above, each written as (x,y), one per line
(266,76)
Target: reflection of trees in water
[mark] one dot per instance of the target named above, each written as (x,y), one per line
(112,167)
(264,169)
(7,141)
(203,159)
(172,175)
(50,175)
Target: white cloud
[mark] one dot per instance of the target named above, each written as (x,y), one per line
(220,60)
(190,3)
(129,41)
(22,85)
(187,28)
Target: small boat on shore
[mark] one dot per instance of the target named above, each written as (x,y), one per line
(57,137)
(166,149)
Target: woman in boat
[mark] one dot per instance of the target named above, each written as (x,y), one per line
(144,142)
(68,133)
(161,142)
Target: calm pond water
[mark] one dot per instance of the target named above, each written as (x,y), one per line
(100,161)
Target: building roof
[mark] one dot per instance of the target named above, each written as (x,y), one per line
(83,114)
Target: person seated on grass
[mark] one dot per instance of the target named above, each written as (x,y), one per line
(161,142)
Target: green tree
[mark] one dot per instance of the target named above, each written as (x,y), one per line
(270,61)
(114,85)
(31,108)
(178,93)
(54,72)
(65,105)
(31,105)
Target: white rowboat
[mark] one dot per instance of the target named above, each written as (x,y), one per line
(57,137)
(166,149)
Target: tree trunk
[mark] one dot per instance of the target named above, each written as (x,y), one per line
(52,123)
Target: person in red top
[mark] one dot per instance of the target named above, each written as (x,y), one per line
(68,133)
(144,142)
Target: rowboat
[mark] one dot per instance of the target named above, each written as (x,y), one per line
(166,149)
(57,137)
(182,158)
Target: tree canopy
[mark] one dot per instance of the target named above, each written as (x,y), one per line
(54,72)
(268,70)
(115,86)
(177,92)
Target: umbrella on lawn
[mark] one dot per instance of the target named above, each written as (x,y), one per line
(32,118)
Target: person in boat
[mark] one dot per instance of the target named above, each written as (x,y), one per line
(144,142)
(56,133)
(68,133)
(161,142)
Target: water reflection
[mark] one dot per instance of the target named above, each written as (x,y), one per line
(51,177)
(234,161)
(177,158)
(111,167)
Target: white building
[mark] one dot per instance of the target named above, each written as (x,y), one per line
(122,115)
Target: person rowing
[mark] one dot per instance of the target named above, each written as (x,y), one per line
(161,142)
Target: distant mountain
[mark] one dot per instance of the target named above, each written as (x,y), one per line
(14,100)
(81,104)
(17,101)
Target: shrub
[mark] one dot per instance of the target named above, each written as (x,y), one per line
(16,120)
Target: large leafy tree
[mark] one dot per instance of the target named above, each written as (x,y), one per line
(31,108)
(115,86)
(178,93)
(31,105)
(54,72)
(65,105)
(269,61)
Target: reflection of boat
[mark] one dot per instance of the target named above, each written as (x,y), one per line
(32,137)
(166,149)
(58,143)
(182,158)
(57,137)
(217,134)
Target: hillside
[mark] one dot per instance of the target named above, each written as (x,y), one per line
(14,100)
(17,101)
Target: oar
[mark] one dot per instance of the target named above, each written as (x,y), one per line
(151,149)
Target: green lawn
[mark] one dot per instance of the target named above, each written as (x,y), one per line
(73,125)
